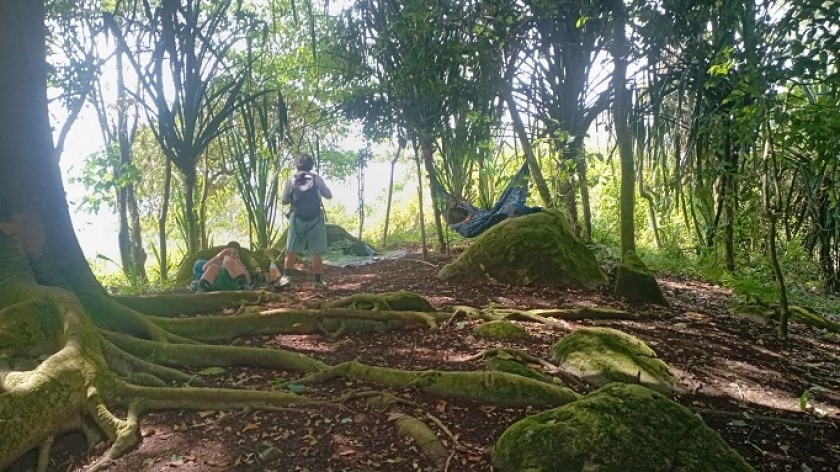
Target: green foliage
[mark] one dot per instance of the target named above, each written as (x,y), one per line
(98,177)
(120,283)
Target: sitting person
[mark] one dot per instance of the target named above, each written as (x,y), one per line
(224,271)
(459,212)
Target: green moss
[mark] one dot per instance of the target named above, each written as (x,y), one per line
(537,249)
(634,281)
(618,428)
(501,329)
(604,355)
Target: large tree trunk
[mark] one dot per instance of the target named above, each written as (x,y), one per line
(41,262)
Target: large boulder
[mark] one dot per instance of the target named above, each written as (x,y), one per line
(618,428)
(635,282)
(600,356)
(537,250)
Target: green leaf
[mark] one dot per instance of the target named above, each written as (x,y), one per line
(296,388)
(738,423)
(803,401)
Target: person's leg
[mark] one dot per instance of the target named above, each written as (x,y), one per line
(207,278)
(236,272)
(288,265)
(318,245)
(317,266)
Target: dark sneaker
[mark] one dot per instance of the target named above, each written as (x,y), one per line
(320,285)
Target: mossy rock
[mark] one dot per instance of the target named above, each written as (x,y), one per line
(407,301)
(635,282)
(511,366)
(603,355)
(618,428)
(501,329)
(250,259)
(534,250)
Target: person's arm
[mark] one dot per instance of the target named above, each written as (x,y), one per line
(287,193)
(322,187)
(217,259)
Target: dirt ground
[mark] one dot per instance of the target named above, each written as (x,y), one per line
(737,376)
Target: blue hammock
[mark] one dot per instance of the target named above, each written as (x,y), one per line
(511,203)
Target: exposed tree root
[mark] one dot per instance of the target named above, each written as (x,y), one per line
(172,305)
(281,320)
(202,355)
(422,434)
(132,362)
(568,378)
(496,388)
(543,316)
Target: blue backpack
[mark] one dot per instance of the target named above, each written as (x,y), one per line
(306,199)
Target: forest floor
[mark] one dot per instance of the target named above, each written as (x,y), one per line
(737,377)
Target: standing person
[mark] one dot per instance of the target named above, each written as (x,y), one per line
(307,229)
(224,271)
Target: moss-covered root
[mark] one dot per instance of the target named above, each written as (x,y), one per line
(281,320)
(399,301)
(585,313)
(493,356)
(200,355)
(494,388)
(361,301)
(124,433)
(545,316)
(172,305)
(126,365)
(423,436)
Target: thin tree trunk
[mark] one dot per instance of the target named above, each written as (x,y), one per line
(533,165)
(427,149)
(580,161)
(136,234)
(361,182)
(134,258)
(643,192)
(730,170)
(770,211)
(190,180)
(420,203)
(622,129)
(391,190)
(164,214)
(567,193)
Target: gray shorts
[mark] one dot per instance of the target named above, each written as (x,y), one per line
(307,236)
